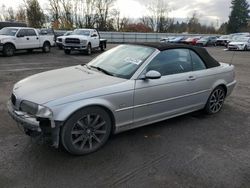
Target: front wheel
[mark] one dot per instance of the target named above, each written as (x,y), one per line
(46,47)
(215,100)
(8,50)
(86,131)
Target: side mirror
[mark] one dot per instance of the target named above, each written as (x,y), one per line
(94,35)
(152,74)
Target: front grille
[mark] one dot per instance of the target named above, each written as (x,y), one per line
(13,99)
(72,41)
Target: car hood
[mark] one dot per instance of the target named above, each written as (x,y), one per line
(237,43)
(5,37)
(51,85)
(78,36)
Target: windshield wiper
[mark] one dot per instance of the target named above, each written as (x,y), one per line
(88,67)
(102,70)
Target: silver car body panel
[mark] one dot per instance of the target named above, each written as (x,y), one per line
(134,102)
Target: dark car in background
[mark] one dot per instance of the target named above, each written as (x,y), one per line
(207,41)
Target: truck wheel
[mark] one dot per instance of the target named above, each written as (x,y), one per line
(67,51)
(86,131)
(102,47)
(46,47)
(89,49)
(8,50)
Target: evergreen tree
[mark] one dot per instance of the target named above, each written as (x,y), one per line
(35,15)
(238,17)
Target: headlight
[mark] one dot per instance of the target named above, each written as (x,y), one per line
(83,41)
(44,112)
(35,109)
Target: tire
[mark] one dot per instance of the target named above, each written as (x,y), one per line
(245,48)
(215,101)
(102,47)
(8,50)
(66,51)
(46,47)
(86,131)
(89,49)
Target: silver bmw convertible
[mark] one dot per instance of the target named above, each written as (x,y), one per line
(126,87)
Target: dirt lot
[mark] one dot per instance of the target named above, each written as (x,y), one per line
(194,150)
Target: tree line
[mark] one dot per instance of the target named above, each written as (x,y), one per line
(102,14)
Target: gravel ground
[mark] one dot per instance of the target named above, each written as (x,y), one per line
(193,150)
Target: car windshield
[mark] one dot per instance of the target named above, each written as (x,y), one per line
(81,32)
(224,37)
(205,38)
(122,61)
(8,31)
(241,39)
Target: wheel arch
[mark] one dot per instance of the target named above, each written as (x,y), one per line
(221,83)
(10,44)
(46,41)
(68,111)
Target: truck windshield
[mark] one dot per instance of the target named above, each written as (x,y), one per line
(8,31)
(122,61)
(81,32)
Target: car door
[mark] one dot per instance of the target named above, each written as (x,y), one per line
(95,39)
(21,40)
(33,39)
(171,94)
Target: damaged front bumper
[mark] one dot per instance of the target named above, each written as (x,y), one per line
(43,129)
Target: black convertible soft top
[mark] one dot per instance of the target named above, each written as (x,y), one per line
(202,52)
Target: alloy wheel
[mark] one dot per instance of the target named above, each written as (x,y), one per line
(88,132)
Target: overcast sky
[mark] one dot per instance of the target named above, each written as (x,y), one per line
(208,10)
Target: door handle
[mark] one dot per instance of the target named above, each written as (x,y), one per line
(191,78)
(28,38)
(37,38)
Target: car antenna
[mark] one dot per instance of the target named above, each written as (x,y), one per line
(231,62)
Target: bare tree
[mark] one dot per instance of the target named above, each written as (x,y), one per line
(90,13)
(67,18)
(157,18)
(55,12)
(103,8)
(21,14)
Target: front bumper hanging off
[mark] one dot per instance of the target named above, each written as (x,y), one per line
(36,128)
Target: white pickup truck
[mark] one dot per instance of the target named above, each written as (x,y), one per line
(83,40)
(23,38)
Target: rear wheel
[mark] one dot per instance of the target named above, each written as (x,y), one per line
(46,47)
(215,100)
(86,131)
(8,50)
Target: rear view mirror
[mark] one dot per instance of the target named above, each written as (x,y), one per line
(153,75)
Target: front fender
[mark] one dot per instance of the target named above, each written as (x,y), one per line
(63,112)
